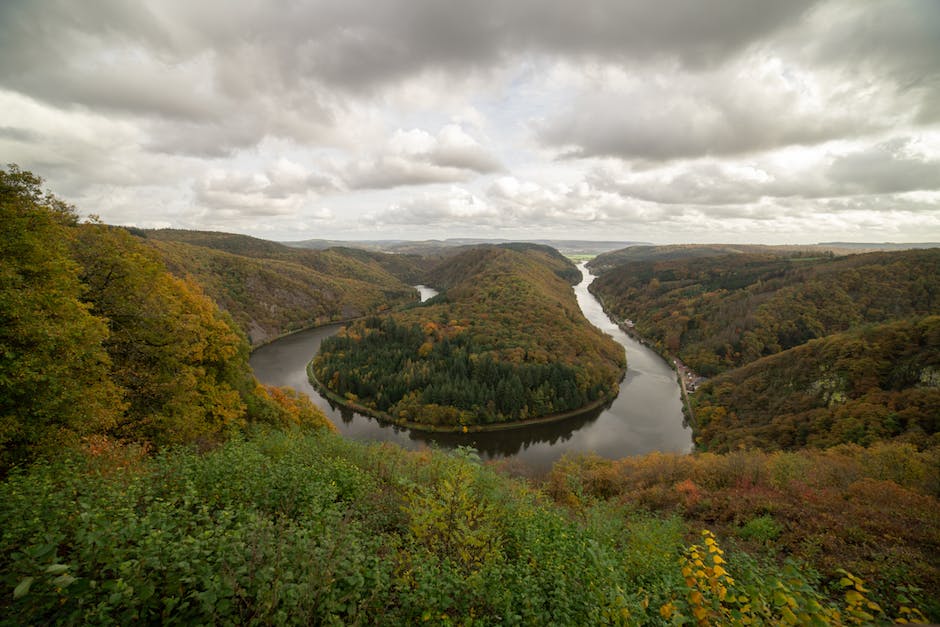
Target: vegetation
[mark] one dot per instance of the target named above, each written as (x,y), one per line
(271,289)
(282,528)
(719,313)
(870,511)
(460,360)
(97,338)
(808,351)
(648,253)
(871,384)
(148,477)
(54,382)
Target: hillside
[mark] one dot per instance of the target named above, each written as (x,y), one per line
(731,314)
(870,384)
(98,339)
(271,289)
(460,360)
(718,313)
(610,260)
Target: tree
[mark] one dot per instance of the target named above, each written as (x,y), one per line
(179,361)
(54,383)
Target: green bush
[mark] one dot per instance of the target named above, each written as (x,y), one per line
(310,528)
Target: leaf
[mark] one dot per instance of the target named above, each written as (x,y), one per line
(56,569)
(22,588)
(63,581)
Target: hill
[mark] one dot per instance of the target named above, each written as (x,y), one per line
(437,248)
(871,384)
(610,260)
(271,289)
(460,359)
(718,313)
(727,314)
(98,339)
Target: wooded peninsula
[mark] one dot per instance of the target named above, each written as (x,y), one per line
(460,361)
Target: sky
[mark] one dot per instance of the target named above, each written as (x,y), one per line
(675,121)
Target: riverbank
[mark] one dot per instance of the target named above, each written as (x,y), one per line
(422,291)
(685,376)
(479,428)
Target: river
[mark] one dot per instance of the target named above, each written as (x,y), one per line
(646,416)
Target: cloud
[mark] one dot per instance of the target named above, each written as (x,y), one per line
(890,167)
(891,41)
(887,168)
(283,189)
(756,104)
(415,157)
(602,116)
(205,62)
(456,207)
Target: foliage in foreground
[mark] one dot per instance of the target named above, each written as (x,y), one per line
(288,528)
(872,511)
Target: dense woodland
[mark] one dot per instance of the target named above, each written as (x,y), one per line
(148,478)
(802,350)
(871,384)
(460,360)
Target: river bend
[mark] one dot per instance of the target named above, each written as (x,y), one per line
(646,416)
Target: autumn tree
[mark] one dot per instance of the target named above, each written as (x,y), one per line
(54,383)
(179,361)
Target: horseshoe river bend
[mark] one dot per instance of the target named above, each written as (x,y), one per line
(646,416)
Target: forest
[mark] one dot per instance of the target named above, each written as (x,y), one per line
(459,360)
(147,477)
(800,350)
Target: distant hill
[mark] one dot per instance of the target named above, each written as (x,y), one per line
(271,289)
(606,261)
(447,246)
(862,246)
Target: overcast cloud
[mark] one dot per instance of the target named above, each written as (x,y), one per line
(674,121)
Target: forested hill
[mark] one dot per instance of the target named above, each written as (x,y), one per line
(98,339)
(610,260)
(838,329)
(506,341)
(271,289)
(872,384)
(469,260)
(718,313)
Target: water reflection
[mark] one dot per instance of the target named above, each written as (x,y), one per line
(646,416)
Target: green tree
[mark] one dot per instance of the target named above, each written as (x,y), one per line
(54,383)
(180,362)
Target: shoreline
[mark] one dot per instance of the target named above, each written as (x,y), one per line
(253,347)
(666,356)
(420,426)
